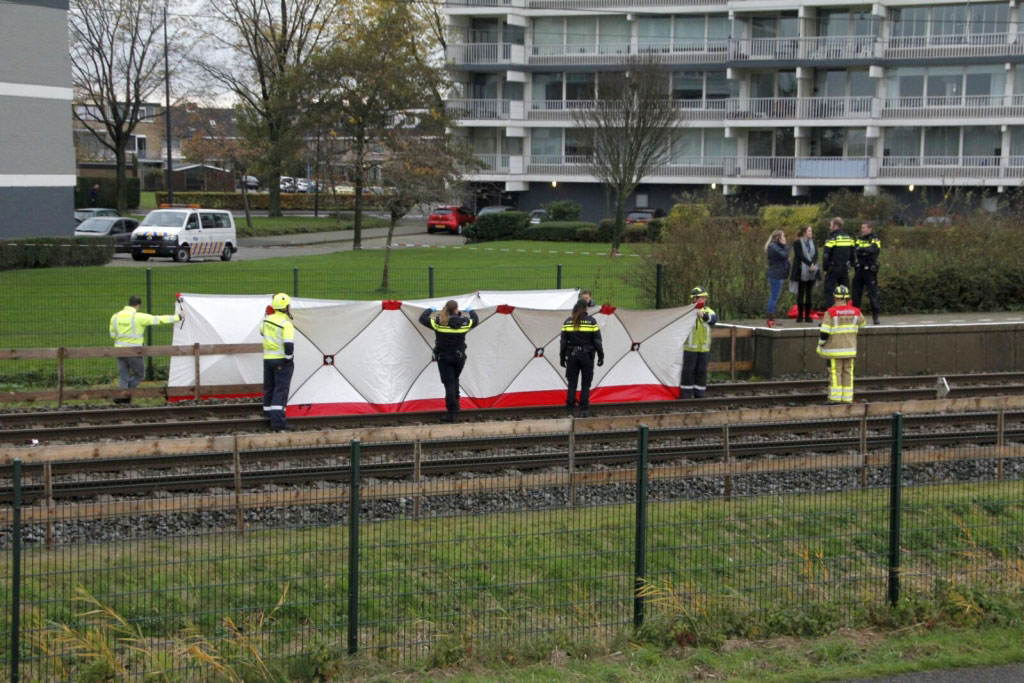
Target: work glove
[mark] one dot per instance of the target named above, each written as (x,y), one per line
(561,361)
(600,362)
(700,305)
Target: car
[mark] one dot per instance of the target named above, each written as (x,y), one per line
(184,233)
(538,216)
(116,227)
(495,209)
(251,182)
(450,218)
(83,214)
(303,185)
(639,217)
(287,184)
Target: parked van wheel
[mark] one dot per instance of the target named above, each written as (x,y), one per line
(226,254)
(182,254)
(140,257)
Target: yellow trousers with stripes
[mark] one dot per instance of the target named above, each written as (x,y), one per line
(840,386)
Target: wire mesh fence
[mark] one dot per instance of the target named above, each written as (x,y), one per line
(437,549)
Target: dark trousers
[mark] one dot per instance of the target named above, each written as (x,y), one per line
(803,299)
(695,374)
(833,279)
(869,279)
(130,372)
(449,365)
(579,363)
(277,378)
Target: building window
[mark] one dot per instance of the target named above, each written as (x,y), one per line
(546,142)
(903,142)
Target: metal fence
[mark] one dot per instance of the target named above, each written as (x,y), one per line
(718,532)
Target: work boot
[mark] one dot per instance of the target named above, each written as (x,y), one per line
(875,320)
(570,411)
(283,428)
(448,417)
(583,412)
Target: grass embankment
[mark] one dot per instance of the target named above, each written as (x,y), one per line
(52,307)
(522,586)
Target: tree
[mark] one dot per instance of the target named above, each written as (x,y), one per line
(272,47)
(116,65)
(628,131)
(367,83)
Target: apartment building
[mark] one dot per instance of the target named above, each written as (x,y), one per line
(779,98)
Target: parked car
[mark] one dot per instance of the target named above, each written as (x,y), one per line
(450,218)
(251,182)
(287,184)
(302,185)
(184,234)
(639,217)
(538,216)
(120,229)
(83,214)
(495,209)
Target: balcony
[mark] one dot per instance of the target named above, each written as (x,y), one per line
(947,167)
(485,53)
(765,108)
(961,45)
(492,163)
(555,110)
(679,52)
(969,106)
(818,48)
(485,110)
(624,4)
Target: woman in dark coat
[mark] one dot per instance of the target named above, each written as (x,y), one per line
(805,271)
(778,270)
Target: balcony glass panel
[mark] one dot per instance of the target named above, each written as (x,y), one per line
(546,142)
(577,143)
(833,22)
(484,31)
(988,18)
(1017,143)
(985,85)
(982,141)
(759,143)
(858,144)
(945,86)
(719,28)
(615,35)
(686,144)
(547,86)
(718,87)
(942,141)
(861,84)
(949,24)
(787,84)
(688,85)
(548,32)
(716,145)
(903,142)
(580,86)
(483,140)
(580,35)
(653,34)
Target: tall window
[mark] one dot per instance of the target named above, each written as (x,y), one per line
(580,35)
(949,24)
(547,86)
(615,34)
(548,36)
(942,143)
(546,142)
(688,85)
(580,86)
(903,142)
(983,141)
(654,34)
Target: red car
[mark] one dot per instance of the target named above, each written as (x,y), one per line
(450,218)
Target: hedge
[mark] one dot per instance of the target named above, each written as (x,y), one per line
(50,252)
(506,225)
(561,210)
(631,233)
(790,217)
(556,231)
(260,201)
(107,198)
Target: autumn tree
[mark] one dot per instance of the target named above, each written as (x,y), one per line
(628,131)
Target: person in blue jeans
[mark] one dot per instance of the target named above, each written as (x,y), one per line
(778,270)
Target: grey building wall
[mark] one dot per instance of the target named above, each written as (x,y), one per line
(37,160)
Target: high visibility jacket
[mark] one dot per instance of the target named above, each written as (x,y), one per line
(278,334)
(869,247)
(128,326)
(585,338)
(450,335)
(838,332)
(699,340)
(838,254)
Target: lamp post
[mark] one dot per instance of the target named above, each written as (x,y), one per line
(169,181)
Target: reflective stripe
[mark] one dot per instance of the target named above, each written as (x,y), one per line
(697,386)
(275,408)
(445,329)
(686,386)
(584,327)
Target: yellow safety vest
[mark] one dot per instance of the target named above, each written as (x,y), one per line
(128,325)
(276,329)
(699,340)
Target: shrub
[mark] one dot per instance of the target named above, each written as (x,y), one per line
(635,233)
(587,235)
(654,230)
(261,201)
(498,226)
(686,214)
(861,207)
(556,231)
(605,229)
(790,217)
(563,210)
(50,252)
(107,193)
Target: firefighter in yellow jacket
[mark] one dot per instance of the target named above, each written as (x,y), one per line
(697,348)
(837,343)
(127,329)
(278,334)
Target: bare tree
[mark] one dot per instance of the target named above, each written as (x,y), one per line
(271,47)
(628,130)
(116,65)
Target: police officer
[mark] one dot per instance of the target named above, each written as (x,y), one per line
(837,343)
(278,334)
(836,259)
(865,270)
(581,338)
(127,328)
(697,348)
(450,328)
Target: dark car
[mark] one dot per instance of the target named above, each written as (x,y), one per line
(450,218)
(639,217)
(120,229)
(83,214)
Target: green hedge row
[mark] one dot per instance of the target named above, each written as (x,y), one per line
(497,226)
(261,201)
(50,252)
(514,225)
(558,231)
(107,194)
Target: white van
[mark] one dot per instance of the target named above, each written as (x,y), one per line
(185,234)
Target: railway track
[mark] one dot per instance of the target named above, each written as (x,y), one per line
(68,426)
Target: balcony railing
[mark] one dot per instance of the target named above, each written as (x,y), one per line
(626,4)
(969,106)
(478,109)
(485,53)
(760,108)
(952,167)
(555,110)
(494,163)
(827,47)
(664,52)
(960,45)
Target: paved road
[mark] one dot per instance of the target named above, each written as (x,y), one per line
(995,674)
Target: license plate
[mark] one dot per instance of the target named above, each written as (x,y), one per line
(149,251)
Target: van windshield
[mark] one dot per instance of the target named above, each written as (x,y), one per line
(165,219)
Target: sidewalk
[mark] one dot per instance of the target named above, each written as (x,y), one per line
(329,237)
(995,674)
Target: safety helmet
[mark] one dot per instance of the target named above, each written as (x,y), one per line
(696,292)
(842,292)
(281,301)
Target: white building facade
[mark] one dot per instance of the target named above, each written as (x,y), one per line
(786,98)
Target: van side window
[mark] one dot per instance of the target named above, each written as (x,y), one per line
(193,222)
(207,220)
(220,221)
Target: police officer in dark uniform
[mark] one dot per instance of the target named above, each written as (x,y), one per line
(581,339)
(836,259)
(450,327)
(865,270)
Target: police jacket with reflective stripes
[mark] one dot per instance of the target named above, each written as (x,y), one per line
(699,339)
(278,334)
(838,332)
(584,339)
(869,247)
(450,336)
(838,252)
(128,325)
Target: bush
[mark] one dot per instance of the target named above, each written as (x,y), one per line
(790,217)
(635,233)
(605,229)
(563,210)
(587,235)
(107,193)
(497,226)
(261,201)
(50,252)
(858,206)
(654,230)
(556,231)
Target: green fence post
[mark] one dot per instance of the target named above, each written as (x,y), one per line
(16,572)
(659,281)
(895,506)
(295,282)
(353,551)
(558,277)
(640,543)
(430,282)
(149,329)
